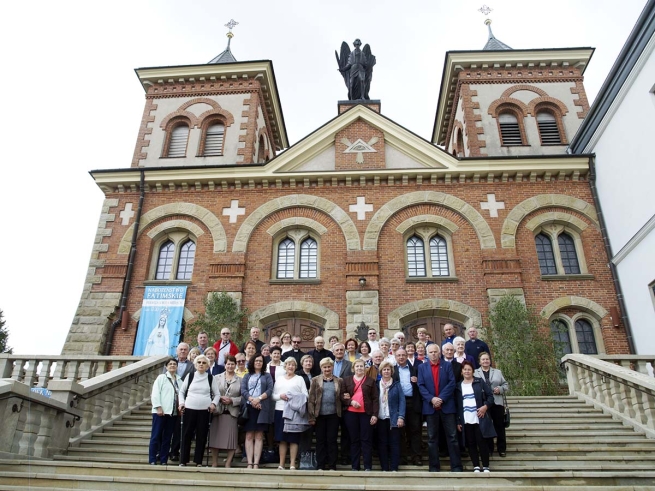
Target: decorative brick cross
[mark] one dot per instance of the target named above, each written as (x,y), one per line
(361,208)
(492,205)
(233,211)
(126,214)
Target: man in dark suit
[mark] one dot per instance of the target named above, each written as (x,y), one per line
(318,353)
(475,346)
(254,337)
(296,352)
(436,383)
(406,375)
(184,368)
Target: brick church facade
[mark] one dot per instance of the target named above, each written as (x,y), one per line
(362,220)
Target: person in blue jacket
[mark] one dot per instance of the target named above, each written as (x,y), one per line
(436,383)
(391,418)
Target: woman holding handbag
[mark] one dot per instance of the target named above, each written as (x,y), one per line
(499,386)
(474,398)
(226,435)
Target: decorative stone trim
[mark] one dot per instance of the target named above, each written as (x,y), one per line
(471,118)
(520,211)
(556,216)
(520,108)
(310,310)
(298,200)
(430,219)
(189,209)
(582,101)
(297,222)
(172,224)
(572,301)
(386,211)
(516,88)
(362,306)
(441,307)
(142,142)
(548,102)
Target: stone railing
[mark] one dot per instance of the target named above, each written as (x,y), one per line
(38,371)
(42,422)
(617,390)
(638,363)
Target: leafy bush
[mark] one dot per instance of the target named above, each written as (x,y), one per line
(221,311)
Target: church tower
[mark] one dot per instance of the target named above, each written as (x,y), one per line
(511,102)
(218,113)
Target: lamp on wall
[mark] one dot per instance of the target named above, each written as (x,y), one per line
(362,282)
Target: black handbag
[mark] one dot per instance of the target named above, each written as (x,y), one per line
(487,427)
(506,417)
(243,417)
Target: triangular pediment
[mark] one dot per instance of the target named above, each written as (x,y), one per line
(336,146)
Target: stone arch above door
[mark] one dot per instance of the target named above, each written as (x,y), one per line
(435,307)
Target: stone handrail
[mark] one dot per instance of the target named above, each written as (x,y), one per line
(38,371)
(624,393)
(70,410)
(638,363)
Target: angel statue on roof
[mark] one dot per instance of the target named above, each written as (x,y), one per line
(356,66)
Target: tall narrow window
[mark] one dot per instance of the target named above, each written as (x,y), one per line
(585,337)
(308,256)
(439,256)
(460,144)
(286,258)
(165,261)
(187,257)
(561,337)
(415,256)
(569,256)
(178,141)
(510,132)
(214,140)
(548,129)
(545,254)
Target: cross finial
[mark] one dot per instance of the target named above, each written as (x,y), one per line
(230,25)
(485,10)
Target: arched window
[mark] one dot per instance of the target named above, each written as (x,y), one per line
(187,257)
(286,258)
(415,257)
(214,140)
(460,143)
(177,142)
(308,258)
(568,254)
(165,261)
(261,150)
(561,337)
(439,256)
(510,132)
(584,334)
(545,254)
(548,128)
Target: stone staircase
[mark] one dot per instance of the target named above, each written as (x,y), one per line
(553,443)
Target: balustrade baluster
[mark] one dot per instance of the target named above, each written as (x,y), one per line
(648,403)
(31,376)
(18,372)
(44,373)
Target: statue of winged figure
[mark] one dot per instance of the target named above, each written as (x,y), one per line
(356,66)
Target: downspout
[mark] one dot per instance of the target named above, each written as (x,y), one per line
(608,251)
(130,266)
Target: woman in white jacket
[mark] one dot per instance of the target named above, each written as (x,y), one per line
(164,409)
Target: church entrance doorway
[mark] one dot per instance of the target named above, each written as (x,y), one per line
(305,328)
(434,326)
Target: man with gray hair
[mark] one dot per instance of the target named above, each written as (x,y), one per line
(474,346)
(342,367)
(318,353)
(184,368)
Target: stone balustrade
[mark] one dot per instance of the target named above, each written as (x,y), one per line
(38,371)
(626,394)
(639,363)
(40,422)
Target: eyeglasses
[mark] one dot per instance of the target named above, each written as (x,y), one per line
(201,363)
(295,342)
(225,334)
(241,361)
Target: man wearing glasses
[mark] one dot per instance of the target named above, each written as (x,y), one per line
(295,352)
(225,347)
(373,340)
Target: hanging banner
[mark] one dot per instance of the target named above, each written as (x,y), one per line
(160,323)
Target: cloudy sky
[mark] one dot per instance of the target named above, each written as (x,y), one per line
(73,103)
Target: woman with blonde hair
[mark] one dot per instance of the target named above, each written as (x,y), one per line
(286,345)
(391,417)
(285,386)
(226,433)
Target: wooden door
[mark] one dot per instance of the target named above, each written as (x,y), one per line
(434,326)
(306,329)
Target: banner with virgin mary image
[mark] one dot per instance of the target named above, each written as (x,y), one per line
(160,324)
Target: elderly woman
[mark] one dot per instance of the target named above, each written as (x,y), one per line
(193,353)
(285,385)
(214,368)
(226,433)
(420,351)
(250,348)
(410,348)
(360,395)
(474,398)
(275,363)
(256,391)
(266,353)
(395,346)
(459,343)
(391,417)
(324,409)
(198,399)
(163,398)
(365,353)
(499,387)
(385,346)
(331,342)
(305,369)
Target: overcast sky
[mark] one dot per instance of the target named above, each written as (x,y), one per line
(72,102)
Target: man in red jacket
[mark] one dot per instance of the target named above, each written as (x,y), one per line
(225,347)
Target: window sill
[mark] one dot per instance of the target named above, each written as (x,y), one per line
(514,146)
(166,282)
(567,277)
(432,279)
(172,158)
(294,281)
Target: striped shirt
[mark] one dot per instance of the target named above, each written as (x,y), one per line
(470,407)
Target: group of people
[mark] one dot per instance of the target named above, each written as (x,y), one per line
(376,394)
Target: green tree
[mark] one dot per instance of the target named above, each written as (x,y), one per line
(4,336)
(523,348)
(221,311)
